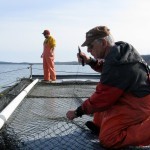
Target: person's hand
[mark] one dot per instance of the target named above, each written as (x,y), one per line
(83,55)
(71,115)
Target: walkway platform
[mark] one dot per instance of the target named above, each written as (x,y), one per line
(40,123)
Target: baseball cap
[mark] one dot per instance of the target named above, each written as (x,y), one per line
(46,32)
(95,33)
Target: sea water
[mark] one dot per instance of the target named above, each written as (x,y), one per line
(12,73)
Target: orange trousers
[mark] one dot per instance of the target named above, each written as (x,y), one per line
(125,124)
(49,68)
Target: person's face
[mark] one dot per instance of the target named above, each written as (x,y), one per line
(46,35)
(97,48)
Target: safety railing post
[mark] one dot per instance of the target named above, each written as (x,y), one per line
(30,70)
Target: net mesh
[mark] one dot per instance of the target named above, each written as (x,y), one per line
(39,123)
(7,95)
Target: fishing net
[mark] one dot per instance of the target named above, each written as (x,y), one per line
(10,93)
(40,123)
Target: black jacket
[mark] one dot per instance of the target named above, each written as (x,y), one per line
(123,71)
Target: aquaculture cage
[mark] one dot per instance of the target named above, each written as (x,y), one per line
(40,123)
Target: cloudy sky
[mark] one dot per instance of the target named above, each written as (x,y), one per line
(23,21)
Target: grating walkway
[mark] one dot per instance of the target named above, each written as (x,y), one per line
(40,123)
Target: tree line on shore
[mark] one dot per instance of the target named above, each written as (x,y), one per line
(145,57)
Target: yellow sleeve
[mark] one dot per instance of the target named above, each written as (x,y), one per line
(53,42)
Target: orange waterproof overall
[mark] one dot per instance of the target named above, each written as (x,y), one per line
(48,59)
(124,124)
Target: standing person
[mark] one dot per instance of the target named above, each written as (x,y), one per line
(48,57)
(121,101)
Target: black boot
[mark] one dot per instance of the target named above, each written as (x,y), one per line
(95,129)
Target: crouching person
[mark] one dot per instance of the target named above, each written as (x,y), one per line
(121,101)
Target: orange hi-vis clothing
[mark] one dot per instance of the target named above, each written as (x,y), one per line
(121,102)
(48,59)
(126,123)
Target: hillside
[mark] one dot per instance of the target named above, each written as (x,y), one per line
(57,63)
(145,57)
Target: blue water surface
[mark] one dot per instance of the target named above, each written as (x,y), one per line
(12,73)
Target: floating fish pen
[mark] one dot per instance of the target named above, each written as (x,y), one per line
(39,121)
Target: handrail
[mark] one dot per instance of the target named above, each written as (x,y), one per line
(8,83)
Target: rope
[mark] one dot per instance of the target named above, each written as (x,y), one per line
(69,72)
(9,84)
(13,70)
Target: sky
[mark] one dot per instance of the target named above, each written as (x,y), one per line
(23,21)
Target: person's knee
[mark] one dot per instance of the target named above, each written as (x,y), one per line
(98,118)
(106,141)
(111,140)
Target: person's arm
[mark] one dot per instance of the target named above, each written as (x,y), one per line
(102,99)
(52,49)
(93,63)
(43,50)
(52,43)
(71,114)
(96,65)
(114,82)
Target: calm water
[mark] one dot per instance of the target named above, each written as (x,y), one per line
(10,73)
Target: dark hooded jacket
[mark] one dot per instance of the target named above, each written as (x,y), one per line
(123,71)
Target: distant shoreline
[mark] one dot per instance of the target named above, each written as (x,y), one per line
(28,63)
(145,57)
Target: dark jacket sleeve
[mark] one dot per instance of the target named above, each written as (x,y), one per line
(96,65)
